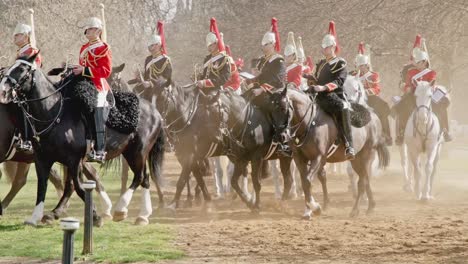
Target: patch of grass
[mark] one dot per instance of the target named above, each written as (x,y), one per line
(113,243)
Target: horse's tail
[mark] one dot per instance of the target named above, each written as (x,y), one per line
(156,157)
(383,154)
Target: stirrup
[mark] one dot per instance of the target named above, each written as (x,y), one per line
(25,146)
(349,153)
(96,156)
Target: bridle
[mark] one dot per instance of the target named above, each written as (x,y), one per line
(23,102)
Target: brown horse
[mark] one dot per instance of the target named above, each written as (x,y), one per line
(314,134)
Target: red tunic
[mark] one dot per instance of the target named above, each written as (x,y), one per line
(307,69)
(28,50)
(414,75)
(96,57)
(371,82)
(294,74)
(234,80)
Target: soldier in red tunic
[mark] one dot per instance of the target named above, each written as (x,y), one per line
(293,67)
(23,37)
(420,72)
(371,82)
(96,64)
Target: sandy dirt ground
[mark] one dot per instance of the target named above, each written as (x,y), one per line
(401,230)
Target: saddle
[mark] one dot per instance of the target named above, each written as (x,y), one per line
(332,104)
(124,110)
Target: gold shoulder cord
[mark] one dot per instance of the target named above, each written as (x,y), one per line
(155,72)
(215,71)
(96,56)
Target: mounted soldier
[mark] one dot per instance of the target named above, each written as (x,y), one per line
(158,66)
(420,72)
(270,74)
(216,65)
(293,66)
(25,39)
(327,82)
(371,82)
(95,64)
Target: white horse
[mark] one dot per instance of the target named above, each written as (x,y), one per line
(423,136)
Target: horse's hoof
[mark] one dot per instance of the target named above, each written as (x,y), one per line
(370,211)
(48,219)
(172,207)
(141,221)
(106,216)
(317,211)
(187,204)
(119,216)
(354,213)
(98,222)
(30,222)
(198,201)
(407,188)
(306,217)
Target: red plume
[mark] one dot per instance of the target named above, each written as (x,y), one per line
(332,31)
(310,63)
(214,29)
(160,29)
(417,42)
(274,29)
(361,49)
(228,51)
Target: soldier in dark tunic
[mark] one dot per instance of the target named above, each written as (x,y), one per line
(328,82)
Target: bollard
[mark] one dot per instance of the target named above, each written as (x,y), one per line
(88,217)
(69,226)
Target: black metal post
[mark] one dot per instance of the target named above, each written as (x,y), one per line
(69,226)
(88,217)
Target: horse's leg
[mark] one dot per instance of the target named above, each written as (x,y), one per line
(20,172)
(121,208)
(42,170)
(123,183)
(416,161)
(352,187)
(293,193)
(285,166)
(218,177)
(257,169)
(429,170)
(73,171)
(197,173)
(63,202)
(56,180)
(360,169)
(239,168)
(146,208)
(408,186)
(181,182)
(276,181)
(307,175)
(322,176)
(245,184)
(105,202)
(230,171)
(189,200)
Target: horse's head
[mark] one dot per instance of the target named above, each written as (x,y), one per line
(423,95)
(115,79)
(17,79)
(279,107)
(354,89)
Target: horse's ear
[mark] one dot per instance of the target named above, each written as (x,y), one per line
(285,91)
(118,68)
(33,57)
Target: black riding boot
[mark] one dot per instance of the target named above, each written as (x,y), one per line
(347,134)
(24,144)
(98,153)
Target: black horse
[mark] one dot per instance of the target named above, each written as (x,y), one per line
(61,136)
